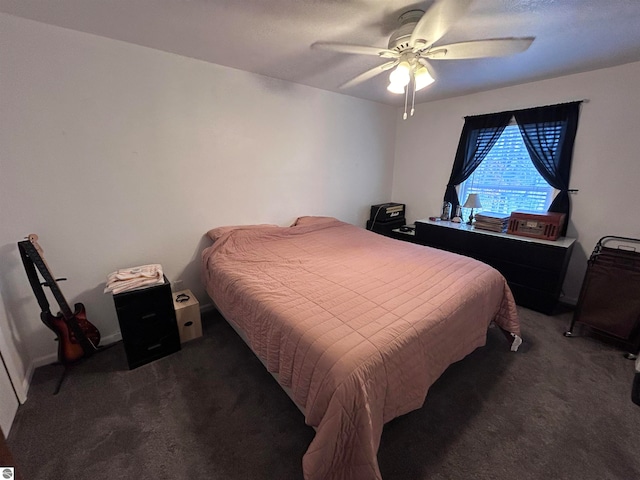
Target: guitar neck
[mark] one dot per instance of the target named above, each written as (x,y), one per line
(39,262)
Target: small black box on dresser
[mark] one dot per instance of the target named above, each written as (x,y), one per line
(387,212)
(148,323)
(385,217)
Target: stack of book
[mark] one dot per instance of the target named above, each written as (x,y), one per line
(495,222)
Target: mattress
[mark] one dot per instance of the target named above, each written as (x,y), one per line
(354,325)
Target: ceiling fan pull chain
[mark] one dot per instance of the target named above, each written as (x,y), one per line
(406,98)
(413,95)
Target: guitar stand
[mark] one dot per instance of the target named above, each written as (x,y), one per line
(68,366)
(60,380)
(33,263)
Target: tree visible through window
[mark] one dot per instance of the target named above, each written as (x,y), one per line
(507,180)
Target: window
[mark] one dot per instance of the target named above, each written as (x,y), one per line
(549,135)
(507,180)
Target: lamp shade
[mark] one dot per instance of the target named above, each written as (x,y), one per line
(395,88)
(401,75)
(473,201)
(423,78)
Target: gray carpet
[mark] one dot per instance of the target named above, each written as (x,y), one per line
(558,409)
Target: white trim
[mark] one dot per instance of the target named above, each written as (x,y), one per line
(53,357)
(18,382)
(23,386)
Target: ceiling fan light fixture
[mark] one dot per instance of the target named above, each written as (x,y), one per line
(395,88)
(416,41)
(423,78)
(401,75)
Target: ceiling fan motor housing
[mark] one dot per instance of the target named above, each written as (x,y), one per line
(399,40)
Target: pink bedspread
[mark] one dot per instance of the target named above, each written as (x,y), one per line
(357,325)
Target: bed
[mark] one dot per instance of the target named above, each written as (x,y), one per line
(355,326)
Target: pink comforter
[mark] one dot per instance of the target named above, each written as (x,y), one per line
(358,326)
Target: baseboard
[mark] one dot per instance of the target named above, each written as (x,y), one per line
(23,391)
(113,338)
(53,357)
(206,308)
(41,362)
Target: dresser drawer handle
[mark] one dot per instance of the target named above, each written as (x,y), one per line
(152,347)
(188,324)
(148,315)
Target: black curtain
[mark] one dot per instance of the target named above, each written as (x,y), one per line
(549,135)
(479,135)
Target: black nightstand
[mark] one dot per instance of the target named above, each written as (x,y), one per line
(385,228)
(147,323)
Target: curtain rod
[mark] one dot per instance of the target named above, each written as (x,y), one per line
(584,100)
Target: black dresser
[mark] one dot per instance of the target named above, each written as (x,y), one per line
(147,323)
(535,269)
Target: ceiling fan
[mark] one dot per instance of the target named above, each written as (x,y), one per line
(411,46)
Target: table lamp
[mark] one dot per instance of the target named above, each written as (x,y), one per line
(473,201)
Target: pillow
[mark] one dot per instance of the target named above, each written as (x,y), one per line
(215,233)
(302,221)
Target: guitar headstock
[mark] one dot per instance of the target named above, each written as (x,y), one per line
(33,238)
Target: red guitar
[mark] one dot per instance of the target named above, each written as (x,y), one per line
(77,337)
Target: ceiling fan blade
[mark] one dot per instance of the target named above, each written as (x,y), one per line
(437,21)
(369,74)
(355,49)
(493,47)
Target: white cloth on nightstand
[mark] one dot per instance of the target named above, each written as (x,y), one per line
(133,278)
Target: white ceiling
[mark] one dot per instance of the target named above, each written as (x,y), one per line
(273,37)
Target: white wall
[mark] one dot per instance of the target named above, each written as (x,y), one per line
(118,155)
(606,161)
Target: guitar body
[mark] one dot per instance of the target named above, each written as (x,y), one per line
(77,337)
